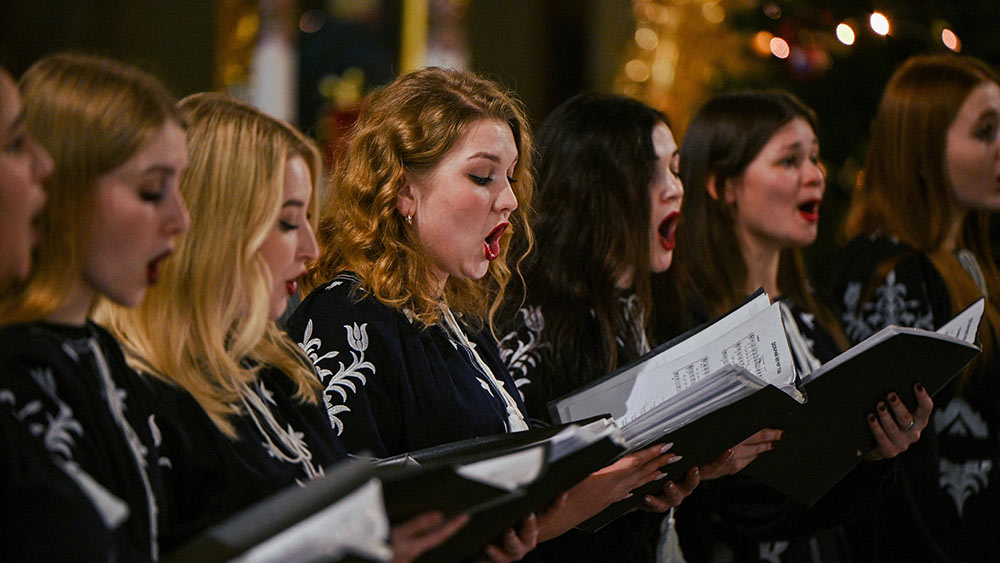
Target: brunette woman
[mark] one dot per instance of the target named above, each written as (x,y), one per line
(751,163)
(920,254)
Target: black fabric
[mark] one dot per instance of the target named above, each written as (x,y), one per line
(532,359)
(392,385)
(52,383)
(209,476)
(736,518)
(44,516)
(946,502)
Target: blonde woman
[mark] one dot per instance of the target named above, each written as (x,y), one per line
(113,212)
(243,400)
(43,512)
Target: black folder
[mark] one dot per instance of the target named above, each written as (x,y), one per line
(827,437)
(280,518)
(427,480)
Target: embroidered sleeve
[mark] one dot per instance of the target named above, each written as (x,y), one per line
(526,355)
(903,297)
(352,352)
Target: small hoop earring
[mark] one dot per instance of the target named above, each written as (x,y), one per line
(409,219)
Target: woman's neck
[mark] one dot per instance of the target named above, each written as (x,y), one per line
(761,261)
(951,241)
(75,308)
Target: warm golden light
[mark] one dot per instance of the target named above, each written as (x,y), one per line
(713,12)
(951,40)
(879,23)
(761,43)
(637,71)
(779,48)
(646,38)
(845,34)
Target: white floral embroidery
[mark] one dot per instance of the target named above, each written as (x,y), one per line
(520,356)
(770,552)
(962,480)
(890,306)
(340,382)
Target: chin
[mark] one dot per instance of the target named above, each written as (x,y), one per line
(662,263)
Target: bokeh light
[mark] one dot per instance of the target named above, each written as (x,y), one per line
(951,40)
(779,48)
(879,23)
(845,34)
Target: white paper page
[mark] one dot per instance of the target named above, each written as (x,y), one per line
(965,325)
(356,523)
(508,472)
(574,438)
(618,390)
(758,345)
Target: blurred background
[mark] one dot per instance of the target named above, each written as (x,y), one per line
(312,61)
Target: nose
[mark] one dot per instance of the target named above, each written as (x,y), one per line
(308,247)
(506,201)
(42,164)
(178,219)
(815,175)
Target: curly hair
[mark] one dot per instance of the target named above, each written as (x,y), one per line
(406,128)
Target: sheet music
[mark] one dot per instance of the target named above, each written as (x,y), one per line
(965,325)
(751,337)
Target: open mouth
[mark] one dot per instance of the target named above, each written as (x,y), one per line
(667,230)
(491,244)
(810,210)
(155,268)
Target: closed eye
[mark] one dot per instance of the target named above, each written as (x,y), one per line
(480,180)
(286,226)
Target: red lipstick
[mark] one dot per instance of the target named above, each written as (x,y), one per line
(667,230)
(810,210)
(491,245)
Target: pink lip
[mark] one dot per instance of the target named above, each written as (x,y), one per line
(292,285)
(811,213)
(154,270)
(668,242)
(491,244)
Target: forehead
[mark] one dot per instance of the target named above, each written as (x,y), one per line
(10,103)
(663,140)
(484,138)
(797,130)
(982,98)
(298,179)
(165,148)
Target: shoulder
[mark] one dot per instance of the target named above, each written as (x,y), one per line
(882,281)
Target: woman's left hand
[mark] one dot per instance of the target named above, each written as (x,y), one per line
(673,493)
(513,544)
(894,427)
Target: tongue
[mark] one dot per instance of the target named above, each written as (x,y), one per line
(491,247)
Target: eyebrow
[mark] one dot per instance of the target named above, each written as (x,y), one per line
(486,155)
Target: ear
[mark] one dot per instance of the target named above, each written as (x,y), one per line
(406,204)
(729,188)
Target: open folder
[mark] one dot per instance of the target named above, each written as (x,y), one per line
(713,387)
(497,480)
(337,517)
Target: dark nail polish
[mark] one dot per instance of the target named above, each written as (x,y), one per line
(893,398)
(871,418)
(919,387)
(881,407)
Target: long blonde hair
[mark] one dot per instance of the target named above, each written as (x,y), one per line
(407,128)
(205,326)
(905,191)
(91,114)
